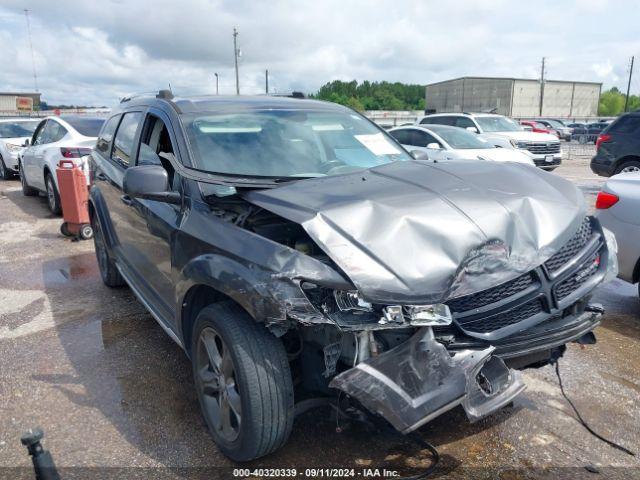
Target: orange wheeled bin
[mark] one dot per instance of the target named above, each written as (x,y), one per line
(74,197)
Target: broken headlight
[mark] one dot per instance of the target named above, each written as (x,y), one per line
(348,300)
(418,315)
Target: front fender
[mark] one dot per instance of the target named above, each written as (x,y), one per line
(251,288)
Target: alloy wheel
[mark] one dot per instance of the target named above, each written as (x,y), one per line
(51,194)
(630,168)
(2,169)
(216,382)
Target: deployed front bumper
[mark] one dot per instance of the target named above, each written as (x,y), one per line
(419,380)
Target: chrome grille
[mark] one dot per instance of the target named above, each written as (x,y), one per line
(541,148)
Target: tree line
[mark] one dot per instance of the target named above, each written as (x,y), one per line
(373,95)
(612,103)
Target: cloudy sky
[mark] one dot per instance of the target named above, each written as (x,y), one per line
(92,53)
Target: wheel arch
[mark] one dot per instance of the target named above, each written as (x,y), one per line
(627,158)
(213,278)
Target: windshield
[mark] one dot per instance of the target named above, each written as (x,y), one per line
(288,143)
(459,138)
(497,124)
(18,129)
(89,127)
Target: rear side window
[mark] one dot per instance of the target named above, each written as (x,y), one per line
(421,139)
(53,132)
(123,142)
(106,135)
(464,122)
(402,136)
(626,124)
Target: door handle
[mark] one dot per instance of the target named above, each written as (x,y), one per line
(127,200)
(101,177)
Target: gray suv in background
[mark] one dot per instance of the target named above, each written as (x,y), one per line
(284,242)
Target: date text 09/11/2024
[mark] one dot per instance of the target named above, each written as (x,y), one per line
(316,473)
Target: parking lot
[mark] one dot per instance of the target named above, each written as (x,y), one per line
(115,395)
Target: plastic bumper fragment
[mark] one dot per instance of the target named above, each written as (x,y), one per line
(419,380)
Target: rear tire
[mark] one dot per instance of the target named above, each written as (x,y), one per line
(5,174)
(243,382)
(110,275)
(27,191)
(53,197)
(628,166)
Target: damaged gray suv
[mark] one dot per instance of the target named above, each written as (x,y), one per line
(284,242)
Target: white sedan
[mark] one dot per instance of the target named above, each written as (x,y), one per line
(442,142)
(13,133)
(55,139)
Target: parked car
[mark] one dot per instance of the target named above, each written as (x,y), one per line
(564,132)
(441,142)
(55,138)
(287,242)
(539,127)
(618,209)
(588,133)
(618,147)
(13,133)
(506,133)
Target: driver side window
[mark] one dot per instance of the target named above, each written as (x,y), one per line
(156,148)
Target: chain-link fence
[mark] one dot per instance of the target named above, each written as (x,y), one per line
(576,150)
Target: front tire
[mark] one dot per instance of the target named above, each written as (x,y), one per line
(53,197)
(27,191)
(243,382)
(110,275)
(5,174)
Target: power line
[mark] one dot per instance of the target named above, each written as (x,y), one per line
(33,58)
(542,85)
(626,100)
(235,58)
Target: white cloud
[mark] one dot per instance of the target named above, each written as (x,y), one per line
(95,52)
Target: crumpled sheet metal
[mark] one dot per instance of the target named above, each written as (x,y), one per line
(418,380)
(416,232)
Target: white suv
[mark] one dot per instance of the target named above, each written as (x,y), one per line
(501,131)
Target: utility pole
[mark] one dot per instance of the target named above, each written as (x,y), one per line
(626,100)
(235,58)
(542,85)
(216,83)
(266,82)
(33,58)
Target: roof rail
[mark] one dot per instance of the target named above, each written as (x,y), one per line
(289,95)
(164,94)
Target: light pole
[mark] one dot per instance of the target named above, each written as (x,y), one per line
(235,58)
(216,83)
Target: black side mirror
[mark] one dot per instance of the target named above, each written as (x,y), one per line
(150,182)
(26,143)
(419,155)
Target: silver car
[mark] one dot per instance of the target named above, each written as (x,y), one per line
(618,209)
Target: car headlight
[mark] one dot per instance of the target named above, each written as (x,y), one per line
(612,263)
(514,143)
(13,148)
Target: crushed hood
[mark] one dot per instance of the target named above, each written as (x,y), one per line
(417,232)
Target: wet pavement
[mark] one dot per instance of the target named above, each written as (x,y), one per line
(115,395)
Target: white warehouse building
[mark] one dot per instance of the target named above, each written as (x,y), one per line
(514,97)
